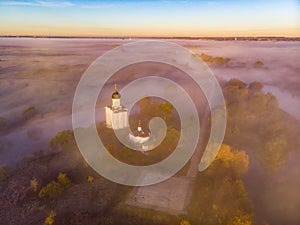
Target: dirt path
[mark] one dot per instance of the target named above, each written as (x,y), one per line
(174,194)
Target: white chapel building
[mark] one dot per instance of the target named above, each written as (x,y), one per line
(116,115)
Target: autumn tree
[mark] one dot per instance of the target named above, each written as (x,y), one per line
(166,109)
(219,195)
(257,103)
(255,87)
(245,220)
(55,188)
(34,184)
(258,63)
(185,222)
(50,219)
(63,180)
(255,121)
(61,140)
(235,160)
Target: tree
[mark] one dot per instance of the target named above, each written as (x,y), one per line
(51,190)
(34,184)
(234,84)
(50,219)
(255,87)
(219,194)
(240,221)
(272,103)
(29,113)
(54,189)
(235,91)
(214,60)
(61,140)
(63,180)
(206,58)
(257,103)
(90,179)
(237,161)
(258,63)
(255,121)
(166,109)
(185,222)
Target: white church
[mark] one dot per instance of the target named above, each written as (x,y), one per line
(117,118)
(116,115)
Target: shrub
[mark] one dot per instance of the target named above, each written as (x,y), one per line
(90,179)
(34,184)
(50,219)
(29,113)
(258,63)
(244,220)
(185,222)
(54,189)
(214,60)
(63,180)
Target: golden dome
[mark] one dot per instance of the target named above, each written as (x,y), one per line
(116,94)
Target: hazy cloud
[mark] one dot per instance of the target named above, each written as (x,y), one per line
(38,3)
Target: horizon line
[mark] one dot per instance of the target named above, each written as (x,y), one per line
(151,37)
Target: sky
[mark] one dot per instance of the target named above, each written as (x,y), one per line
(180,18)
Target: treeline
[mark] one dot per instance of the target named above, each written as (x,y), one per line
(255,122)
(219,195)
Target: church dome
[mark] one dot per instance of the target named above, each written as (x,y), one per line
(116,95)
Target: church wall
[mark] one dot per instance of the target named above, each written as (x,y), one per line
(108,114)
